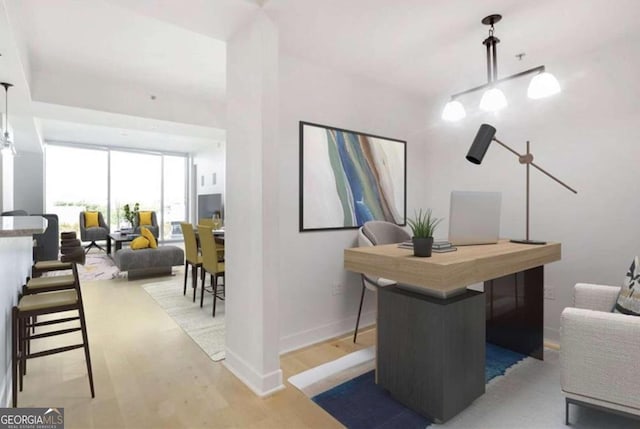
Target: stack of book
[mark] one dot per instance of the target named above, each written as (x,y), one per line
(440,246)
(443,247)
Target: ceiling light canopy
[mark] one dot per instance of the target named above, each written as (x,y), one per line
(543,84)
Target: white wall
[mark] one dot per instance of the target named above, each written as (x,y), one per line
(28,187)
(210,162)
(312,262)
(6,176)
(15,262)
(588,136)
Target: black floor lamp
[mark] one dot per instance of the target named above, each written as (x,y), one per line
(486,134)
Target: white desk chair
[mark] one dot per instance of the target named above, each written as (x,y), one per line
(375,233)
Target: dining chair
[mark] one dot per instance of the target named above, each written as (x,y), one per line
(192,257)
(374,233)
(212,263)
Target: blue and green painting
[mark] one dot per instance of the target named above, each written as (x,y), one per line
(350,178)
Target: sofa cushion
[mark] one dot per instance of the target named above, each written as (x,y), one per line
(139,243)
(164,256)
(145,218)
(629,298)
(91,219)
(146,233)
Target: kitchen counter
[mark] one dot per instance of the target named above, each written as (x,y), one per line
(22,226)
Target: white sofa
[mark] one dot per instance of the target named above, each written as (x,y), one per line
(600,353)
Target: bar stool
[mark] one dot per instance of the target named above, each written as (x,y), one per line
(44,298)
(41,267)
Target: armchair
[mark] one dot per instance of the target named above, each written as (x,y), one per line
(94,233)
(154,228)
(599,353)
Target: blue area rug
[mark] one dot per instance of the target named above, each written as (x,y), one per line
(360,403)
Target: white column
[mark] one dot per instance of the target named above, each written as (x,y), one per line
(252,334)
(7,182)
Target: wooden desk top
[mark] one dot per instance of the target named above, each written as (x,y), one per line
(444,273)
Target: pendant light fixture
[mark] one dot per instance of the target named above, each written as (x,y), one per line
(6,142)
(542,85)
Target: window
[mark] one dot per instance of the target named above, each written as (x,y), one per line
(76,180)
(175,202)
(80,178)
(135,178)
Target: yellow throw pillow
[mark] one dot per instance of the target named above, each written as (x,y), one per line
(146,233)
(139,243)
(145,218)
(91,219)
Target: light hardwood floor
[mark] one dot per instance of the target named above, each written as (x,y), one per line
(149,374)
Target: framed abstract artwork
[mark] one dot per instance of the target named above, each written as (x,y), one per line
(348,178)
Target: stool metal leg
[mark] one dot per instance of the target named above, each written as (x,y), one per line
(355,333)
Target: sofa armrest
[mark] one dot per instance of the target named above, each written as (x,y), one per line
(595,297)
(599,355)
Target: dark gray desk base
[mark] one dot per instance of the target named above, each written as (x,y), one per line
(431,352)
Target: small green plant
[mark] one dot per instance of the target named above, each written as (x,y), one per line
(423,225)
(130,215)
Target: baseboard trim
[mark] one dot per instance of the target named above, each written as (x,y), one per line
(552,337)
(261,384)
(326,332)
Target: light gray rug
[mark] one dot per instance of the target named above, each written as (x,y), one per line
(528,396)
(205,330)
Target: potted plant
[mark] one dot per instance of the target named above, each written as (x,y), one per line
(423,226)
(130,215)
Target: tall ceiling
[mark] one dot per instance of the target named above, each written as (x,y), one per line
(435,47)
(107,42)
(112,56)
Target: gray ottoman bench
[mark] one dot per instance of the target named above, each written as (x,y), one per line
(149,262)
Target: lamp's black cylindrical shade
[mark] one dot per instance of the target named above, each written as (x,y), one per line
(481,143)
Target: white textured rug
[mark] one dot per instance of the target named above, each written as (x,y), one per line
(98,266)
(205,330)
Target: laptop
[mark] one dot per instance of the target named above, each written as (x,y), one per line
(474,218)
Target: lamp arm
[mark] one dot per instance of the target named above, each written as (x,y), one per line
(507,147)
(542,170)
(554,178)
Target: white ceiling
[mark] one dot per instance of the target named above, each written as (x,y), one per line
(428,48)
(73,132)
(435,47)
(214,18)
(106,41)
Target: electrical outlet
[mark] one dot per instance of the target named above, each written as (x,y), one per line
(338,289)
(549,292)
